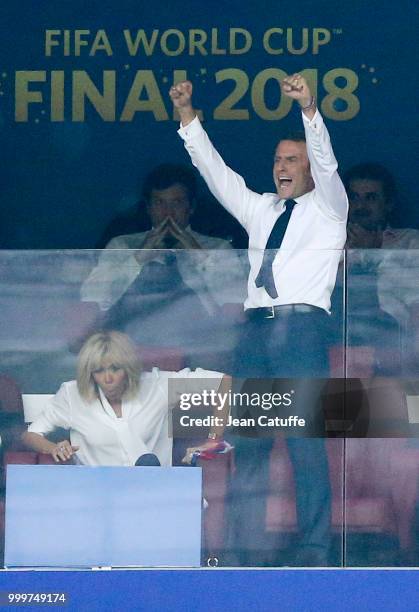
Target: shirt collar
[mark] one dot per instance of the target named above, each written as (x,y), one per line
(300,200)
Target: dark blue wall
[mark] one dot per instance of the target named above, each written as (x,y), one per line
(61,182)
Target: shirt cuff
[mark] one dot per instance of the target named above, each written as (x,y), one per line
(314,124)
(194,128)
(36,428)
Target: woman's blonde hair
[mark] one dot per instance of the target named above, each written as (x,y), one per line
(102,350)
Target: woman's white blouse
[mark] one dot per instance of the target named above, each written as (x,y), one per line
(105,439)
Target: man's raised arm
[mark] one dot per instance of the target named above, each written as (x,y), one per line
(329,190)
(296,87)
(181,95)
(227,186)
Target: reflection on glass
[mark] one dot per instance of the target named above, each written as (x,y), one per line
(358,459)
(382,469)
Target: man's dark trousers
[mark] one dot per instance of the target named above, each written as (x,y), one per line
(290,345)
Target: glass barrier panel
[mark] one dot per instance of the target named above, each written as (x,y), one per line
(382,458)
(276,497)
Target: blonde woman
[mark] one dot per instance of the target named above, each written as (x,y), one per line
(115,412)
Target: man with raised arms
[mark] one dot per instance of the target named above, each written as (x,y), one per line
(295,241)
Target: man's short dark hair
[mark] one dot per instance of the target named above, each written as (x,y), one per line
(166,175)
(372,172)
(295,136)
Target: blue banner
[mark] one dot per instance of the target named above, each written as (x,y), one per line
(264,590)
(85,112)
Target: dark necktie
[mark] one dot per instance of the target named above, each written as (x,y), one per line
(158,284)
(265,278)
(158,277)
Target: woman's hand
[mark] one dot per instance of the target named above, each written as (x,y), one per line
(59,452)
(63,451)
(208,445)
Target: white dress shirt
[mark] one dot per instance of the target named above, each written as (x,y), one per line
(305,267)
(105,439)
(214,273)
